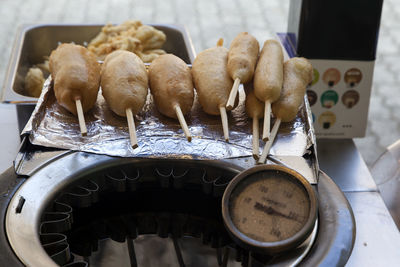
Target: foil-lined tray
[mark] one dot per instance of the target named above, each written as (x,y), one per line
(158,136)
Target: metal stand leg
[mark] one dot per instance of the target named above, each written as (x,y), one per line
(132,254)
(178,252)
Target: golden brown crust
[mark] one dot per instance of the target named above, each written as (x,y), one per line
(254,107)
(242,57)
(297,74)
(268,76)
(124,82)
(76,75)
(171,84)
(211,79)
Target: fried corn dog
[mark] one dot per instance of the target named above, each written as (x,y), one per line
(76,76)
(255,110)
(124,85)
(213,82)
(297,74)
(268,78)
(172,87)
(242,59)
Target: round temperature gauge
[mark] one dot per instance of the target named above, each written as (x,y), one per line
(269,209)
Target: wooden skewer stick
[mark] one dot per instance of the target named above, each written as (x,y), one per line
(267,121)
(224,119)
(256,137)
(81,117)
(131,126)
(268,144)
(233,94)
(182,121)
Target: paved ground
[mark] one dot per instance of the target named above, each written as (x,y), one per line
(207,20)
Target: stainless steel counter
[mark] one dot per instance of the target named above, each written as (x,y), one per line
(341,160)
(9,135)
(377,237)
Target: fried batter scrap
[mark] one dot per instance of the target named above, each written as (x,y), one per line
(34,82)
(132,35)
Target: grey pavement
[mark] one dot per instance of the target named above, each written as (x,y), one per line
(208,20)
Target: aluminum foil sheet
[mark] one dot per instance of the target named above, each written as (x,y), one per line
(158,136)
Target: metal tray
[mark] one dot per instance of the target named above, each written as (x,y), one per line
(34,42)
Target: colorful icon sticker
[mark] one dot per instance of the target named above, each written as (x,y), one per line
(327,119)
(331,76)
(350,98)
(329,99)
(315,77)
(352,77)
(312,97)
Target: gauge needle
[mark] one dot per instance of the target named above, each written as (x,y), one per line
(271,211)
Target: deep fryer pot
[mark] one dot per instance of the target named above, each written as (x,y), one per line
(75,205)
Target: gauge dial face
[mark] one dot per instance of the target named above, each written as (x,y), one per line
(269,206)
